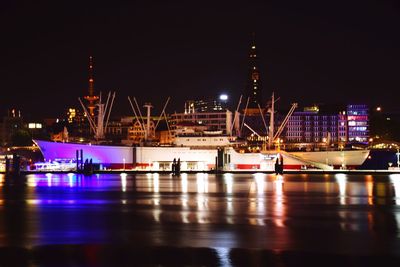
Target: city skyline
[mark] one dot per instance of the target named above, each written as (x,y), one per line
(308,53)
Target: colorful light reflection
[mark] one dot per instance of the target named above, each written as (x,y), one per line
(341,179)
(123,181)
(279,207)
(395,180)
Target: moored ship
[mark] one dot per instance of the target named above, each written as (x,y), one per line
(198,158)
(196,151)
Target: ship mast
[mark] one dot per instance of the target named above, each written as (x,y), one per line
(104,111)
(148,106)
(271,134)
(271,122)
(146,126)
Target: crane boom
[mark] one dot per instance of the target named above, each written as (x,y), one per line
(245,124)
(285,121)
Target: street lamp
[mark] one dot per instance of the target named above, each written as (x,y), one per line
(223,97)
(124,162)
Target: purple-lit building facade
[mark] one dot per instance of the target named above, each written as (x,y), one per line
(358,123)
(311,128)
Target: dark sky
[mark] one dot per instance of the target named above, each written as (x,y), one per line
(328,52)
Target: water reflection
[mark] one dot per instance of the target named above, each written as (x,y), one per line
(123,181)
(260,183)
(223,255)
(369,183)
(395,180)
(184,189)
(202,200)
(279,207)
(66,207)
(228,181)
(341,179)
(48,175)
(16,213)
(202,183)
(257,198)
(156,182)
(31,181)
(64,180)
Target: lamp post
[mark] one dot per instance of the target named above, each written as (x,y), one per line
(398,160)
(124,162)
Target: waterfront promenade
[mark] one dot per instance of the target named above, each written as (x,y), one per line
(144,171)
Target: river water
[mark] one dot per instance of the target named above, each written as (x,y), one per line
(218,220)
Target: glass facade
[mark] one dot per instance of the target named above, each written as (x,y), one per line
(357,122)
(310,127)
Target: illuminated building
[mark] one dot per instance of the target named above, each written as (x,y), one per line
(15,130)
(220,120)
(342,127)
(357,122)
(136,133)
(201,116)
(75,122)
(212,114)
(12,123)
(71,114)
(204,106)
(132,130)
(311,128)
(62,136)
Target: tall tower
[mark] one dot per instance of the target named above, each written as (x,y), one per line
(91,97)
(253,87)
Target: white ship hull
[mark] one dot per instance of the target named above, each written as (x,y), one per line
(160,158)
(338,159)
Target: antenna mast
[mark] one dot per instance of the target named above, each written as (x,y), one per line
(91,97)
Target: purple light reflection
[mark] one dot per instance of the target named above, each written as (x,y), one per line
(68,181)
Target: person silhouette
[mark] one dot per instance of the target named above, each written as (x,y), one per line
(174,166)
(178,167)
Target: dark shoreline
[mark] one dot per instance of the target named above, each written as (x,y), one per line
(134,255)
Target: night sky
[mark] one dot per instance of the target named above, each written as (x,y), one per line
(324,52)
